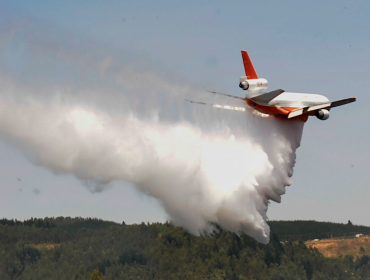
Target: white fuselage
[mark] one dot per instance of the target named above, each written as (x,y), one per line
(297,100)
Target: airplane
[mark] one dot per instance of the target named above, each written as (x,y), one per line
(279,103)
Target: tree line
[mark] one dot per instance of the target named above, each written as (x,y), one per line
(78,248)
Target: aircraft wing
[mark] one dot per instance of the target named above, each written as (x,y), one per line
(220,106)
(342,102)
(327,105)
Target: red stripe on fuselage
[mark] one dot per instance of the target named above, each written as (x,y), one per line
(280,112)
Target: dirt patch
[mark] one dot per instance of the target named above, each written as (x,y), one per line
(44,246)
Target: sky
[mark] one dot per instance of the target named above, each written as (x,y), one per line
(299,46)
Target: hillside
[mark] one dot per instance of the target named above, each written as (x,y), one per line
(72,248)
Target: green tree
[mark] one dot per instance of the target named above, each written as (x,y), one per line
(96,275)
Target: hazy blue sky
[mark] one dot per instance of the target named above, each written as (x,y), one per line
(301,46)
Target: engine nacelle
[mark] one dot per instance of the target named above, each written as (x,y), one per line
(244,85)
(322,114)
(253,84)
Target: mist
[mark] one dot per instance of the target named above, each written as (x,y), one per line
(105,116)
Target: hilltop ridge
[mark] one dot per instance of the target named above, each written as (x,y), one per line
(309,230)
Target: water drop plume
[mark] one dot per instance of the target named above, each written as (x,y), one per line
(201,178)
(75,107)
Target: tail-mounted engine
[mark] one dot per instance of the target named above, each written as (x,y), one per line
(322,114)
(253,84)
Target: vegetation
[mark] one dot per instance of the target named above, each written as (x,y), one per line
(76,248)
(96,275)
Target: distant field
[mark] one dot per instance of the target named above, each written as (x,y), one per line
(333,248)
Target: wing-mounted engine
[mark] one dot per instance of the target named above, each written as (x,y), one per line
(322,114)
(252,85)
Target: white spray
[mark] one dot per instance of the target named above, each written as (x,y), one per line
(205,167)
(198,177)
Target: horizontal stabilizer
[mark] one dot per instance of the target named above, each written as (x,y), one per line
(265,98)
(327,105)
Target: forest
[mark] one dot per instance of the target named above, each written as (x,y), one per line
(86,248)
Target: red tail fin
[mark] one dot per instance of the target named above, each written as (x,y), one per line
(248,66)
